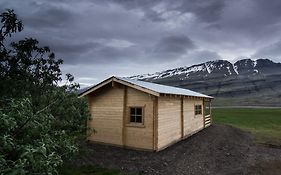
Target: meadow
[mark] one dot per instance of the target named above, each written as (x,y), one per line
(263,123)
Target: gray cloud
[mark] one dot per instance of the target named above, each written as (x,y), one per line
(206,11)
(127,37)
(252,19)
(272,51)
(65,47)
(177,44)
(202,56)
(49,16)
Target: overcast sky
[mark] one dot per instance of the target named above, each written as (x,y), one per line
(97,39)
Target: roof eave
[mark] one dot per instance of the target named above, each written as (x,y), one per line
(209,97)
(115,79)
(135,86)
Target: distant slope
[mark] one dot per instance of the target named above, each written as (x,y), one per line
(246,82)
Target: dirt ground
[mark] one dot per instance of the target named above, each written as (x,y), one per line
(219,149)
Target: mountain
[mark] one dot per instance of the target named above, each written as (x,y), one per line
(246,82)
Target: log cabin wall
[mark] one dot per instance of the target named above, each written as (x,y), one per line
(177,119)
(169,120)
(192,123)
(106,108)
(107,114)
(139,136)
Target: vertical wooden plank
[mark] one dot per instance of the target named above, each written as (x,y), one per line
(211,118)
(124,116)
(155,124)
(203,112)
(182,119)
(113,83)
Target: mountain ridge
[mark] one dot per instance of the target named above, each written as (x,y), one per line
(245,82)
(232,68)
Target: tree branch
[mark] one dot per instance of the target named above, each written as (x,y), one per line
(17,131)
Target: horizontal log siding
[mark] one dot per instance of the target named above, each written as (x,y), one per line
(192,123)
(169,120)
(107,112)
(140,137)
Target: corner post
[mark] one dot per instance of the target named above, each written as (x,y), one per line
(124,116)
(155,123)
(182,119)
(203,112)
(211,117)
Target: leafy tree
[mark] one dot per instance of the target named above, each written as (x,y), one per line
(39,120)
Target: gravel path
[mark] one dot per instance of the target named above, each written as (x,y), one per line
(219,149)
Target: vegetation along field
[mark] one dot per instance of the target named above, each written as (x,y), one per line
(264,124)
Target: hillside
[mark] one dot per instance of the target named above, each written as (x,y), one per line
(246,82)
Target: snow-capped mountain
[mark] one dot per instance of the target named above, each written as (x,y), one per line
(216,68)
(246,82)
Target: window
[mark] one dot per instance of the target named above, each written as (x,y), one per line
(207,108)
(136,115)
(198,109)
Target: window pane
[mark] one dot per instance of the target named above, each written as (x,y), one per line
(198,109)
(139,119)
(132,118)
(207,108)
(139,111)
(136,115)
(133,111)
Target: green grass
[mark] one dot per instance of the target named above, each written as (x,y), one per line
(87,170)
(265,124)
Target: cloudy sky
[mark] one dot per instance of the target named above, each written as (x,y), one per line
(100,38)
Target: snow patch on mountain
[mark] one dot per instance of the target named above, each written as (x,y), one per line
(212,69)
(228,68)
(235,68)
(255,63)
(208,68)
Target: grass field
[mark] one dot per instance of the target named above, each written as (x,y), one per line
(264,124)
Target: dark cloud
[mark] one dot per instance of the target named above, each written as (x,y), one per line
(64,46)
(177,44)
(202,56)
(49,16)
(252,19)
(125,37)
(133,4)
(206,11)
(108,54)
(272,51)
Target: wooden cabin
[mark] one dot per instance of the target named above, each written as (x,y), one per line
(142,115)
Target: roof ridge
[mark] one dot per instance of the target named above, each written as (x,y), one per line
(148,87)
(129,80)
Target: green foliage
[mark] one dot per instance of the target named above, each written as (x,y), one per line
(35,148)
(40,121)
(265,124)
(10,24)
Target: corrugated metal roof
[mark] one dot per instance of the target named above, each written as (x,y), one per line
(163,89)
